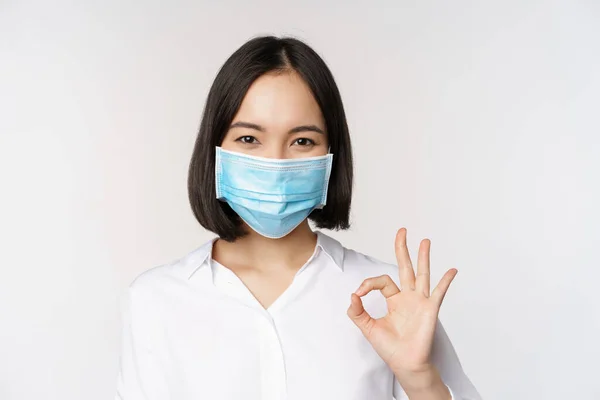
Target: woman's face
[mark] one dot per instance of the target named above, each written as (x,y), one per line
(278,118)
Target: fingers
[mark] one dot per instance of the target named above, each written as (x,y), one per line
(442,287)
(407,274)
(359,316)
(423,271)
(383,283)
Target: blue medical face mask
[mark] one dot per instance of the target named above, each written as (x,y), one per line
(272,196)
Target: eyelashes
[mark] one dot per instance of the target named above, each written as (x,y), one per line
(251,140)
(305,142)
(247,139)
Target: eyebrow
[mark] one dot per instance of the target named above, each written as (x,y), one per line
(301,128)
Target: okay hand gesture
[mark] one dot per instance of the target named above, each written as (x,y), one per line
(403,337)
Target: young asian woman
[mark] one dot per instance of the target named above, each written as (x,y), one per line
(270,309)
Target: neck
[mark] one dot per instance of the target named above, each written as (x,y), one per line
(289,252)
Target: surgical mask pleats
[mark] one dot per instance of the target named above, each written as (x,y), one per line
(272,196)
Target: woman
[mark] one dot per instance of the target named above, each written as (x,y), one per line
(270,309)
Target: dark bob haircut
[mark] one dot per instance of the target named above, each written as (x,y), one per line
(255,58)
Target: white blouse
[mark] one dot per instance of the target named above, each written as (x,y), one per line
(192,330)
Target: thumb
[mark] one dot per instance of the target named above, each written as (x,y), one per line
(359,315)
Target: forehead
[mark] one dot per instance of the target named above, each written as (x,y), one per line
(280,101)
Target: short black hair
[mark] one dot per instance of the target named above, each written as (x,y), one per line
(253,59)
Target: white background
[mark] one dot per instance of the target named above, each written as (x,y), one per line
(475,124)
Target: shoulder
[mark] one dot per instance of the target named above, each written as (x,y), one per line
(353,262)
(367,266)
(154,277)
(161,278)
(358,267)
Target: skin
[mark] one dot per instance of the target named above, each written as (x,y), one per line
(279,118)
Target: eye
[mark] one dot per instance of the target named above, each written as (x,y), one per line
(304,142)
(247,139)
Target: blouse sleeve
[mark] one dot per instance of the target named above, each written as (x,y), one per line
(139,375)
(446,361)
